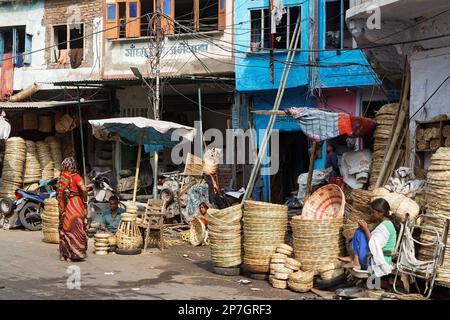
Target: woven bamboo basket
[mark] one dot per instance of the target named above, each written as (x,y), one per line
(50,237)
(128,235)
(197,232)
(14,160)
(55,153)
(224,232)
(45,160)
(193,166)
(317,242)
(45,123)
(30,121)
(260,238)
(32,171)
(300,287)
(327,202)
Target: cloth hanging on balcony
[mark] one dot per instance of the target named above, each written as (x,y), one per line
(321,125)
(76,57)
(277,14)
(7,76)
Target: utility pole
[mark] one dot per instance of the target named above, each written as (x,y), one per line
(156,96)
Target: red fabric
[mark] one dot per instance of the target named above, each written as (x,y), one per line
(73,241)
(362,126)
(75,179)
(344,124)
(7,75)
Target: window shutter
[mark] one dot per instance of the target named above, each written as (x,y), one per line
(222,15)
(168,9)
(1,48)
(28,48)
(112,30)
(133,21)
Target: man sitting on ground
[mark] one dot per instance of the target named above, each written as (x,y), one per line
(111,217)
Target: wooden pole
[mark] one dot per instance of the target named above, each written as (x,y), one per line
(136,178)
(312,158)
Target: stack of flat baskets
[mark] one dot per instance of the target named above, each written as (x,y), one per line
(385,119)
(438,189)
(265,226)
(45,160)
(55,153)
(317,237)
(50,221)
(225,235)
(33,171)
(13,166)
(128,235)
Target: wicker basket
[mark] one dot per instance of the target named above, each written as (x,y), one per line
(50,237)
(45,160)
(224,232)
(327,202)
(30,121)
(261,238)
(33,172)
(317,242)
(300,287)
(194,166)
(197,232)
(45,123)
(128,235)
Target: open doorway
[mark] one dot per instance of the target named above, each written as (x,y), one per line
(294,160)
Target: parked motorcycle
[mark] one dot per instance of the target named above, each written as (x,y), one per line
(99,192)
(26,209)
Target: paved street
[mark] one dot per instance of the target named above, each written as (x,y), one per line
(30,269)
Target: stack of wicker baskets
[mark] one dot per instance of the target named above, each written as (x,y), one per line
(101,243)
(265,226)
(385,118)
(282,265)
(438,189)
(301,281)
(50,221)
(224,232)
(56,153)
(128,235)
(13,166)
(45,160)
(359,209)
(317,242)
(33,171)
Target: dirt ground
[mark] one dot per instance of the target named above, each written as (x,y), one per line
(30,269)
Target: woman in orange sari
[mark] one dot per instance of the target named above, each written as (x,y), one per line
(71,196)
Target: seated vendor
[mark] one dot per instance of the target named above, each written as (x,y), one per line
(332,161)
(111,217)
(374,248)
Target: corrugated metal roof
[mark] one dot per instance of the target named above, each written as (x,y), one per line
(43,104)
(134,81)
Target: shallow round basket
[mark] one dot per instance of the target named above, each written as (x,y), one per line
(197,232)
(102,235)
(300,287)
(51,237)
(327,202)
(225,216)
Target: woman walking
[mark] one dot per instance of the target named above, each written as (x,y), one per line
(71,195)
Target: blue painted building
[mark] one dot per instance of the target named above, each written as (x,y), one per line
(327,72)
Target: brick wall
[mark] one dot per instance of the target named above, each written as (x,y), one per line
(56,13)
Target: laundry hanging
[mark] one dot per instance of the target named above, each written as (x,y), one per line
(7,76)
(321,125)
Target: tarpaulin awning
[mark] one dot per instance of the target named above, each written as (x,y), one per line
(6,105)
(137,131)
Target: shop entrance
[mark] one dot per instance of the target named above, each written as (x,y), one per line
(294,160)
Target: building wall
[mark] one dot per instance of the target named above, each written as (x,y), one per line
(428,70)
(213,48)
(338,68)
(38,16)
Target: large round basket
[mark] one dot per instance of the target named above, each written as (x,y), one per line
(224,232)
(317,242)
(265,226)
(197,232)
(128,235)
(326,203)
(50,237)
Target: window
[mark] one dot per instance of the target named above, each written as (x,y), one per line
(261,27)
(337,35)
(191,15)
(15,40)
(68,41)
